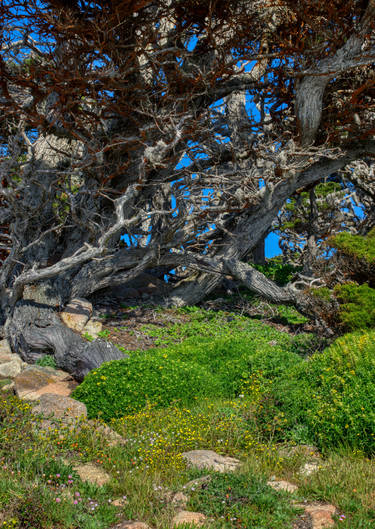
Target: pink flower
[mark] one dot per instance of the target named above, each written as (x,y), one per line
(58,500)
(75,502)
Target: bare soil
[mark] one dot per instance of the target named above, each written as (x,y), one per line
(125,322)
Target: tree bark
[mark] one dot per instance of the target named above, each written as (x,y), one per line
(36,329)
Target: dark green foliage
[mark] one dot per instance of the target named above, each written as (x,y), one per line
(357,246)
(331,396)
(243,501)
(215,359)
(47,361)
(277,270)
(357,309)
(306,344)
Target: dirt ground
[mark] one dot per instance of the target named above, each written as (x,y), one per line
(125,321)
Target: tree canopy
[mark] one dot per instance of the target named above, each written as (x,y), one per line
(184,128)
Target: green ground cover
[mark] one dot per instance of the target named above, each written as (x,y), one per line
(217,381)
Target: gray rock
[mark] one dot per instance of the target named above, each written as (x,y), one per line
(188,517)
(211,460)
(10,369)
(59,407)
(5,347)
(282,485)
(77,313)
(33,378)
(92,474)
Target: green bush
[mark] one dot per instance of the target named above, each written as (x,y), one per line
(199,366)
(332,395)
(357,246)
(357,310)
(277,270)
(123,386)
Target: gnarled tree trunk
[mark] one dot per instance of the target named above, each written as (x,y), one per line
(35,328)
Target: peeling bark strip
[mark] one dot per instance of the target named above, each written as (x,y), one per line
(94,128)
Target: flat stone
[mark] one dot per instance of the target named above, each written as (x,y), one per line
(5,347)
(59,407)
(120,502)
(63,388)
(309,468)
(77,313)
(92,474)
(188,517)
(282,485)
(9,357)
(180,500)
(93,328)
(59,374)
(131,525)
(210,459)
(10,369)
(321,515)
(32,379)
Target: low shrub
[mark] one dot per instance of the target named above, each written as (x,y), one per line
(331,396)
(356,246)
(277,270)
(353,257)
(347,307)
(199,366)
(357,306)
(240,500)
(123,386)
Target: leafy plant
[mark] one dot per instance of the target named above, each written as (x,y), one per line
(104,334)
(333,394)
(47,361)
(122,386)
(277,270)
(357,309)
(243,501)
(357,246)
